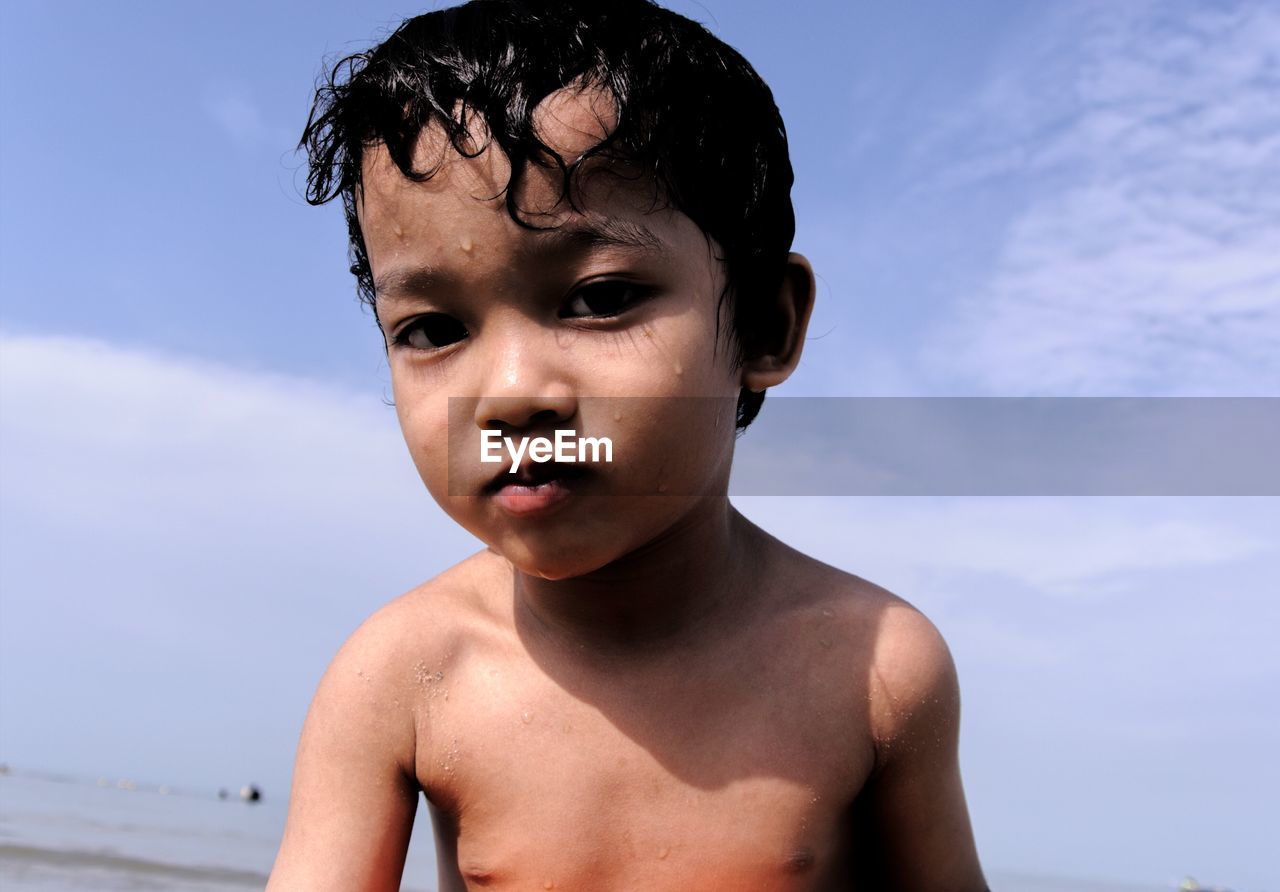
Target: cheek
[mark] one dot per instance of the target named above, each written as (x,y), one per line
(428,424)
(670,445)
(424,425)
(668,356)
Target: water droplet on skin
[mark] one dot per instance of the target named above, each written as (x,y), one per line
(828,612)
(679,369)
(824,642)
(398,231)
(617,414)
(548,885)
(466,245)
(663,852)
(526,717)
(662,487)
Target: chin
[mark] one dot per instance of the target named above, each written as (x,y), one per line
(552,562)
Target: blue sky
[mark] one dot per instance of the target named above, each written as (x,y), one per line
(204,492)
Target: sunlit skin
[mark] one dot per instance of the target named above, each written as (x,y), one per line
(631,687)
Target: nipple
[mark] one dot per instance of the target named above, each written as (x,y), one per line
(800,860)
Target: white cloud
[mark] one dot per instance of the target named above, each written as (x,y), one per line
(1144,260)
(126,428)
(191,540)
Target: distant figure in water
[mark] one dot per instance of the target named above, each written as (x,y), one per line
(1190,885)
(250,793)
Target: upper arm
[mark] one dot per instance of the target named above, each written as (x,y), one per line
(354,792)
(915,798)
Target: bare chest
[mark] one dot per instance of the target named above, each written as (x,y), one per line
(705,784)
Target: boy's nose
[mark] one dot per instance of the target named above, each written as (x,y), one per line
(502,412)
(524,387)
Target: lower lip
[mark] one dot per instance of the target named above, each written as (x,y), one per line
(523,501)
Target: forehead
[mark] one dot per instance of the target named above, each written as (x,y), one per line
(466,196)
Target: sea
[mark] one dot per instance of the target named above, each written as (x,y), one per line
(59,834)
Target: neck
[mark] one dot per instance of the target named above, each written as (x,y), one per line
(694,575)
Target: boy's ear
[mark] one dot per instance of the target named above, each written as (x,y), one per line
(775,349)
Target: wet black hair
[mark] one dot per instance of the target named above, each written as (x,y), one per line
(691,113)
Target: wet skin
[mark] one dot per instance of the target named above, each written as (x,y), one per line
(622,691)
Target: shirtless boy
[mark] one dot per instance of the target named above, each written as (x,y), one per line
(577,215)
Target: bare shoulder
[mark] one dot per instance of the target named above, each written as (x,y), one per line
(418,630)
(914,695)
(892,649)
(910,675)
(374,675)
(803,583)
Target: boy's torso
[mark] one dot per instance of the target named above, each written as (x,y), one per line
(732,766)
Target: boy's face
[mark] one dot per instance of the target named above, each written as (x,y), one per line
(603,324)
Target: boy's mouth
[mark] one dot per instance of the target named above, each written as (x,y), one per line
(535,487)
(532,473)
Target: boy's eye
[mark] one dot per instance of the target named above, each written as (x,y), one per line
(431,332)
(603,299)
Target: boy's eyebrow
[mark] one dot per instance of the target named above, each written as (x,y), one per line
(605,232)
(403,280)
